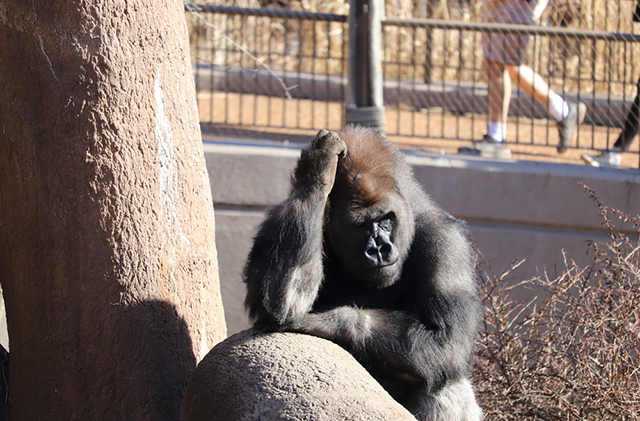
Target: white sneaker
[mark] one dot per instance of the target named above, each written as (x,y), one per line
(487,148)
(611,158)
(568,127)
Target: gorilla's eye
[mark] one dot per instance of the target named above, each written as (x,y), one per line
(386,222)
(368,222)
(358,224)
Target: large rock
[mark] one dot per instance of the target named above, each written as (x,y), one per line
(284,376)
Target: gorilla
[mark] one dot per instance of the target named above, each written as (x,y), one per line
(359,254)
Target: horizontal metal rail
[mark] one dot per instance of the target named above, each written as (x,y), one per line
(512,28)
(266,12)
(426,23)
(418,95)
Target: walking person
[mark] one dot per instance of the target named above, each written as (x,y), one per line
(613,157)
(504,55)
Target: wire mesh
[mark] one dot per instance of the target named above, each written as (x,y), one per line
(277,68)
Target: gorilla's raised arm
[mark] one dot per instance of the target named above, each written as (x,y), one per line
(360,255)
(284,268)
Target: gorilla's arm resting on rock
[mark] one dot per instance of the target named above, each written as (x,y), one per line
(393,343)
(431,340)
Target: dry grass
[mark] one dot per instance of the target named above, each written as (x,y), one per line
(572,353)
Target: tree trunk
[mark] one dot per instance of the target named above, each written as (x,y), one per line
(107,254)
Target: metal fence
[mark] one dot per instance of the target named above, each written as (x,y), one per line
(269,68)
(281,70)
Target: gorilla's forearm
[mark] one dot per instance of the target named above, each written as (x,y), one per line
(284,269)
(395,343)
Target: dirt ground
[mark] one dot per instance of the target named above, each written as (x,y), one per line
(427,129)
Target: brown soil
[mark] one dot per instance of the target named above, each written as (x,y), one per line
(430,129)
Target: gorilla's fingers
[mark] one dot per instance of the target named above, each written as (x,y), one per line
(322,133)
(330,142)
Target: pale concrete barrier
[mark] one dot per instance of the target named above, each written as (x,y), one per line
(515,209)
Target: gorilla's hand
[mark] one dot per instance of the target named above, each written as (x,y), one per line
(319,161)
(330,142)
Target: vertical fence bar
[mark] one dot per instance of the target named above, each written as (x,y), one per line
(241,59)
(428,63)
(327,75)
(299,76)
(314,54)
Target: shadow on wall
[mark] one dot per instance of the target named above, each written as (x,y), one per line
(150,361)
(168,359)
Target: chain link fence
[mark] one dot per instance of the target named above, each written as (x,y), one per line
(282,67)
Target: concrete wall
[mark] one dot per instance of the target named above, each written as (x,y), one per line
(515,209)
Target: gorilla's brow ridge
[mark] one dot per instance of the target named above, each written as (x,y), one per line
(365,174)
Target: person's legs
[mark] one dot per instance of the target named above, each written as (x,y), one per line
(613,158)
(499,99)
(492,145)
(532,84)
(568,115)
(497,49)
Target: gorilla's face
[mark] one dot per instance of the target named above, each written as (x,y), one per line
(372,242)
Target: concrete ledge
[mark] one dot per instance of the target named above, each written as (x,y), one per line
(532,194)
(515,209)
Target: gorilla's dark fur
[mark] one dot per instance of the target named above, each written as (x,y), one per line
(360,255)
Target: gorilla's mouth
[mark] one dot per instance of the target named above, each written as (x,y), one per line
(383,265)
(381,274)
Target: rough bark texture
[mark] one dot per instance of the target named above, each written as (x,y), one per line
(107,254)
(285,376)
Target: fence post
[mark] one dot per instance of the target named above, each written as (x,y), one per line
(365,101)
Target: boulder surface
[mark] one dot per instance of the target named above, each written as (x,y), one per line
(284,376)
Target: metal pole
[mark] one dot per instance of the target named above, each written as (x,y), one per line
(365,102)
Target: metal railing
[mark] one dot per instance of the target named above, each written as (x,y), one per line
(266,68)
(273,69)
